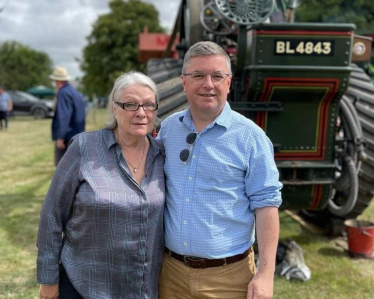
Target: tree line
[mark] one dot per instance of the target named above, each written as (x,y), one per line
(22,67)
(112,46)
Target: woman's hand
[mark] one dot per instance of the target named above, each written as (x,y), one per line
(49,291)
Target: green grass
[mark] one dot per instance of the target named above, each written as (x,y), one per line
(334,274)
(26,169)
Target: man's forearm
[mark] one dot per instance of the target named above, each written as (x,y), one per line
(267,227)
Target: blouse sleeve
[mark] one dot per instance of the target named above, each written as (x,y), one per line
(55,213)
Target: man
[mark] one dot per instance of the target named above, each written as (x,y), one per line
(69,117)
(220,174)
(6,105)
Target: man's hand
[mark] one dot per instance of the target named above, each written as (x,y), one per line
(49,291)
(60,144)
(261,287)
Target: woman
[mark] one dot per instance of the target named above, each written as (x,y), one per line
(101,224)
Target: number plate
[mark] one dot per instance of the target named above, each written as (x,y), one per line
(300,47)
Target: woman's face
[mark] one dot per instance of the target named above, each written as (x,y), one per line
(139,122)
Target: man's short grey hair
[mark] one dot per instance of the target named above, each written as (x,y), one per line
(205,48)
(122,82)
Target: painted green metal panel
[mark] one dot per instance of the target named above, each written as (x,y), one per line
(304,69)
(316,196)
(323,44)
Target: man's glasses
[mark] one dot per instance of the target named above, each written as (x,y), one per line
(185,154)
(199,77)
(135,106)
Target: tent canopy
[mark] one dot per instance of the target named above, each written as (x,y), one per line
(42,92)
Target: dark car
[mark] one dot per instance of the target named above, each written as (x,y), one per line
(26,104)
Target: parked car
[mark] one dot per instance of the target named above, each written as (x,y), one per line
(27,104)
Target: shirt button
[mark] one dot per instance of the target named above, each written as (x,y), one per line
(187,199)
(184,222)
(190,178)
(185,243)
(194,156)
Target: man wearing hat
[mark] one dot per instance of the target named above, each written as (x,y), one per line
(69,118)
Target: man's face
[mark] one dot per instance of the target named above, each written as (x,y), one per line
(208,98)
(1,90)
(58,84)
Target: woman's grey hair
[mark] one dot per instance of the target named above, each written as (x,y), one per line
(124,81)
(205,48)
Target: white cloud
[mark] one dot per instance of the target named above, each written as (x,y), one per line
(60,27)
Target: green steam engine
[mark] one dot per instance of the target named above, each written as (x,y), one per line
(298,83)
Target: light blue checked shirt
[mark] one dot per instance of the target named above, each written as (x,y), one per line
(113,228)
(211,199)
(4,101)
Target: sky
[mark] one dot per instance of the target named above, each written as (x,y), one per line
(60,27)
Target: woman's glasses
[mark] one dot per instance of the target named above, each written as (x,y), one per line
(185,154)
(135,106)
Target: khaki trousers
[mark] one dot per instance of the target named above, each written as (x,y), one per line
(178,281)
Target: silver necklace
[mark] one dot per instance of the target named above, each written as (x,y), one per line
(135,169)
(141,160)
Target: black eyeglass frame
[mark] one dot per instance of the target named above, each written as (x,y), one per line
(122,105)
(206,75)
(184,155)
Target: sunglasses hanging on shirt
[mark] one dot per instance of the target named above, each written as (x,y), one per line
(184,155)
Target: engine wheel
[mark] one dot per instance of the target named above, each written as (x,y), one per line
(213,21)
(361,93)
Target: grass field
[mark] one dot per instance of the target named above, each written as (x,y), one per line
(26,168)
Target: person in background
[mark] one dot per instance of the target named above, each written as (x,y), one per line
(101,224)
(221,184)
(69,117)
(6,106)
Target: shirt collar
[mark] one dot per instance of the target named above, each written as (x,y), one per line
(109,138)
(155,146)
(65,85)
(223,119)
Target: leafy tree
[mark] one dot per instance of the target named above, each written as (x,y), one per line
(113,44)
(22,67)
(358,12)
